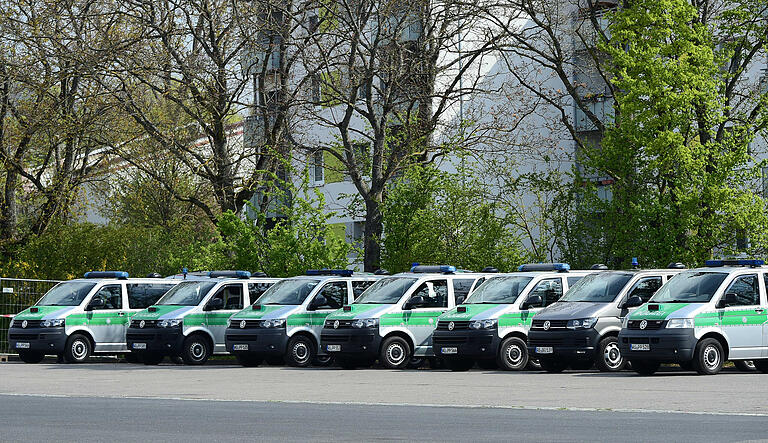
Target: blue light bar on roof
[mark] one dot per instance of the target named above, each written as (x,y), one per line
(337,272)
(740,262)
(106,274)
(531,267)
(436,269)
(229,274)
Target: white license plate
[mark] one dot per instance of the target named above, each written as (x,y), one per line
(22,345)
(333,348)
(239,347)
(449,350)
(139,346)
(639,347)
(544,350)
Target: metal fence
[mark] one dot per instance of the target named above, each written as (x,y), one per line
(16,295)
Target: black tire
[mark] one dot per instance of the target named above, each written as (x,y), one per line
(77,349)
(745,365)
(275,361)
(488,364)
(436,363)
(609,358)
(132,357)
(416,362)
(152,358)
(301,351)
(513,354)
(248,360)
(533,364)
(459,364)
(395,353)
(553,366)
(686,365)
(31,356)
(195,350)
(761,365)
(582,365)
(176,359)
(645,367)
(709,357)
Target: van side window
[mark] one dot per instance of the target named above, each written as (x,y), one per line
(435,292)
(231,295)
(335,294)
(144,295)
(746,289)
(573,280)
(112,296)
(550,290)
(645,288)
(358,287)
(462,286)
(256,289)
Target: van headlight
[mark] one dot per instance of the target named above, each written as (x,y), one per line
(53,323)
(581,323)
(482,324)
(680,323)
(172,323)
(276,323)
(361,323)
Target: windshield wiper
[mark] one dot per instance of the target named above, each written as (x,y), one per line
(677,301)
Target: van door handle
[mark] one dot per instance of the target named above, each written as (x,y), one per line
(121,314)
(759,310)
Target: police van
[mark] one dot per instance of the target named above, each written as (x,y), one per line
(81,317)
(284,324)
(190,320)
(702,318)
(394,319)
(491,326)
(582,328)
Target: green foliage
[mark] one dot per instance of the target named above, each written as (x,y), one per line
(436,217)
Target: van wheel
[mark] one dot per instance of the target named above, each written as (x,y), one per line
(275,361)
(176,359)
(459,364)
(132,357)
(322,360)
(761,365)
(248,360)
(533,364)
(553,366)
(301,351)
(686,365)
(31,356)
(77,349)
(609,358)
(195,350)
(513,354)
(745,365)
(487,364)
(582,365)
(395,353)
(152,358)
(416,362)
(708,358)
(645,367)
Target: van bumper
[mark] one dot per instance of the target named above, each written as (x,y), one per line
(479,344)
(47,340)
(350,342)
(165,341)
(565,344)
(262,341)
(666,345)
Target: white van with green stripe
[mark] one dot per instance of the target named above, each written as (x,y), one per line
(394,319)
(491,327)
(284,324)
(189,322)
(701,318)
(82,317)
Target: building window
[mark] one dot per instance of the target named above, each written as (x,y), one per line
(316,167)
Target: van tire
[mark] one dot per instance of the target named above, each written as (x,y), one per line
(708,358)
(488,364)
(132,357)
(152,358)
(195,350)
(459,364)
(248,360)
(322,360)
(395,353)
(301,351)
(745,365)
(761,365)
(77,349)
(645,367)
(275,361)
(31,356)
(609,358)
(513,354)
(553,366)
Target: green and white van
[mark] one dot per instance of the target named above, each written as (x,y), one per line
(284,324)
(78,318)
(189,322)
(491,326)
(394,319)
(701,318)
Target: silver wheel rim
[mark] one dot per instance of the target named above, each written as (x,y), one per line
(711,357)
(300,352)
(396,354)
(197,351)
(749,363)
(612,355)
(79,349)
(514,355)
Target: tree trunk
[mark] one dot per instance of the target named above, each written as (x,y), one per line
(373,229)
(9,211)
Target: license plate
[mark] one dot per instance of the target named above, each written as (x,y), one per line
(639,347)
(139,346)
(22,345)
(544,350)
(333,348)
(449,350)
(239,347)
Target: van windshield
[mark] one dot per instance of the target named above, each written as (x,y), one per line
(499,290)
(68,293)
(598,288)
(386,291)
(187,293)
(690,287)
(288,292)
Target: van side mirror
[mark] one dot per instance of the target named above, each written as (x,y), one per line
(532,301)
(214,305)
(414,302)
(318,301)
(95,303)
(460,299)
(728,299)
(632,302)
